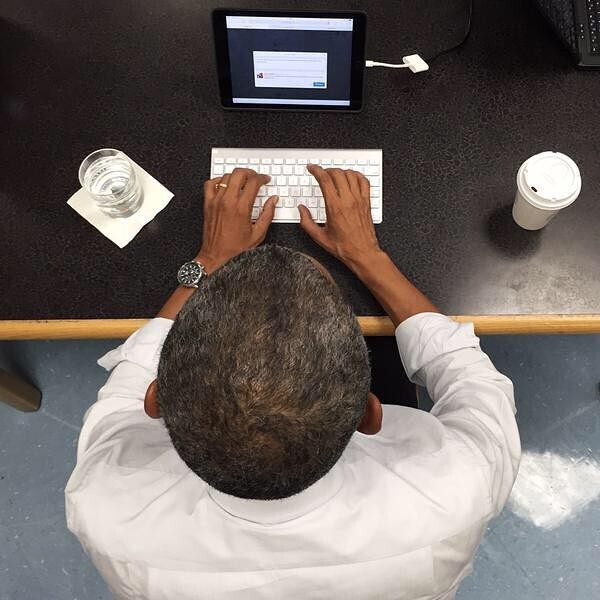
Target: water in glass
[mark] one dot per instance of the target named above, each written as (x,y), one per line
(109,178)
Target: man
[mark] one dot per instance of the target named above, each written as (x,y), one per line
(270,470)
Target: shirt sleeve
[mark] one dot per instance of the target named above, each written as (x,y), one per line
(473,401)
(134,366)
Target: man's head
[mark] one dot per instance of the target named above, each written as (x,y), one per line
(264,376)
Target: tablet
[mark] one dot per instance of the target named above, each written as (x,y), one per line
(290,60)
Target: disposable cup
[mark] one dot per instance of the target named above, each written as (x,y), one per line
(546,183)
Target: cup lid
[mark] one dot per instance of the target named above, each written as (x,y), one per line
(552,179)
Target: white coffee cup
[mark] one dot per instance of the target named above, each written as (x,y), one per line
(546,183)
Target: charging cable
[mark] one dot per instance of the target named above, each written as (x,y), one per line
(413,62)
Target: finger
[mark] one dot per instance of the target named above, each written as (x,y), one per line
(323,179)
(237,181)
(365,188)
(253,185)
(222,187)
(265,219)
(210,188)
(308,224)
(354,183)
(340,181)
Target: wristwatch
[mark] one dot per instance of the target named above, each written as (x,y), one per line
(190,274)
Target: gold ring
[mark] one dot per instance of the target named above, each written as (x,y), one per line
(223,185)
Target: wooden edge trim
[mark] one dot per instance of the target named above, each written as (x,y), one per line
(371,326)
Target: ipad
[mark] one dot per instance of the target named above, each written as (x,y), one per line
(290,60)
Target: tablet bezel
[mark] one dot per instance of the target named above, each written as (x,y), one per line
(357,61)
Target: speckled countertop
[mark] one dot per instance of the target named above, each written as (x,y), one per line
(140,76)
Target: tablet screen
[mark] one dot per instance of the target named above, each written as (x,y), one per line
(290,61)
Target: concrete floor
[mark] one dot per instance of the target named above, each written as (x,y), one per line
(545,545)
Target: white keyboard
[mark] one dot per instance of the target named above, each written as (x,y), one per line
(293,183)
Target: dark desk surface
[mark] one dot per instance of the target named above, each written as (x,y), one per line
(140,76)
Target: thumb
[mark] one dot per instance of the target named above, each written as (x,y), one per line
(261,226)
(308,224)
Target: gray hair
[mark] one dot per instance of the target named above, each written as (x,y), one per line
(264,376)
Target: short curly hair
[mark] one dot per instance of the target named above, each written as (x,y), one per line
(264,376)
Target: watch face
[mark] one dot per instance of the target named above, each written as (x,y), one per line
(190,274)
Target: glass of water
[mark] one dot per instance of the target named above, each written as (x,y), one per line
(108,176)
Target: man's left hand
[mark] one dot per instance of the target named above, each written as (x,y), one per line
(228,226)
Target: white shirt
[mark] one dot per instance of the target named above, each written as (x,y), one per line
(399,516)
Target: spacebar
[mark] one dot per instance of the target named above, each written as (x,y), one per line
(287,214)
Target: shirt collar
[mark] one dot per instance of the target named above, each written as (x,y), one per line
(271,512)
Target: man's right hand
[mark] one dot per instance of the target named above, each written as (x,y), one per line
(349,233)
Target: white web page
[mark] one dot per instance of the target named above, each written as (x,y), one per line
(290,69)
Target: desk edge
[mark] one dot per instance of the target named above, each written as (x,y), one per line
(371,326)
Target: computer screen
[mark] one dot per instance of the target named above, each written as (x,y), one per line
(293,61)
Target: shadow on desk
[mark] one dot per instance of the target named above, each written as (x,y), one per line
(388,379)
(510,239)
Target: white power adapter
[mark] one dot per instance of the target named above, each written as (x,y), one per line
(413,62)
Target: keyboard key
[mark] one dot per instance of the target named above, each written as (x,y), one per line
(295,192)
(219,160)
(275,170)
(375,192)
(293,180)
(230,161)
(374,181)
(288,169)
(307,191)
(278,161)
(266,161)
(242,161)
(254,161)
(350,161)
(325,161)
(289,202)
(338,161)
(264,169)
(255,213)
(322,215)
(321,202)
(299,170)
(305,180)
(371,170)
(218,170)
(290,161)
(375,202)
(302,161)
(313,202)
(287,214)
(314,161)
(272,190)
(317,191)
(284,191)
(279,203)
(361,161)
(314,212)
(280,180)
